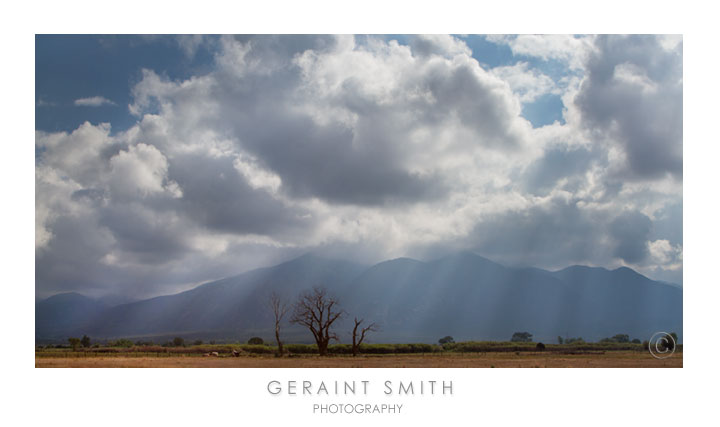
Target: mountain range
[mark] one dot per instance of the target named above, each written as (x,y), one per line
(464,295)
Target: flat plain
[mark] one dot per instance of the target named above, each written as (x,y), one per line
(612,359)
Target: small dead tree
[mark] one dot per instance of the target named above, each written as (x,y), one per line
(357,340)
(280,309)
(317,311)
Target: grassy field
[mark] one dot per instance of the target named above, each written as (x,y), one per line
(504,359)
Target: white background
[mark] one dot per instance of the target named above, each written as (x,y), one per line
(238,396)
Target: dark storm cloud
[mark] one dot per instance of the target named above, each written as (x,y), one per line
(633,94)
(90,194)
(668,223)
(559,234)
(325,162)
(149,237)
(216,196)
(630,232)
(558,163)
(541,235)
(476,102)
(72,258)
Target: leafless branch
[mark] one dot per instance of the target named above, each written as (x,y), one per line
(357,340)
(280,309)
(317,311)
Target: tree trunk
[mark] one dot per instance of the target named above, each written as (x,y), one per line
(279,343)
(354,335)
(322,348)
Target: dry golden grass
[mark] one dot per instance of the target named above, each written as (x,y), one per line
(615,359)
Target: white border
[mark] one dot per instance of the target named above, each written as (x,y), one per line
(212,397)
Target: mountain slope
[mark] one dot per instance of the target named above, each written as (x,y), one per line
(63,313)
(234,304)
(621,299)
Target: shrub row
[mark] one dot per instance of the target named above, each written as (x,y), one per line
(365,348)
(499,346)
(460,347)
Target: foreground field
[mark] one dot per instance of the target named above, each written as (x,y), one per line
(615,359)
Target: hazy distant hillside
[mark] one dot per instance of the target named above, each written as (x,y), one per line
(465,295)
(63,313)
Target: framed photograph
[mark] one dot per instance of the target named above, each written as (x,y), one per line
(391,213)
(359,201)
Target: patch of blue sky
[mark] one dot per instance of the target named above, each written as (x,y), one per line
(545,110)
(71,67)
(489,54)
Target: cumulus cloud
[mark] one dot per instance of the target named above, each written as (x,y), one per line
(370,149)
(572,50)
(139,172)
(93,101)
(528,83)
(78,155)
(665,254)
(631,98)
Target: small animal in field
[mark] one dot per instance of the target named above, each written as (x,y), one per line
(235,353)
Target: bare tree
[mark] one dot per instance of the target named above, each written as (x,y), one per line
(280,309)
(317,311)
(358,340)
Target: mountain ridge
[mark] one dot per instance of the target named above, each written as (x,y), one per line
(464,295)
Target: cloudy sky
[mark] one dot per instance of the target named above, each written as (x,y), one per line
(162,162)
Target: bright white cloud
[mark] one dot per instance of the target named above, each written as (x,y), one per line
(666,255)
(77,155)
(570,49)
(141,171)
(257,177)
(93,101)
(528,83)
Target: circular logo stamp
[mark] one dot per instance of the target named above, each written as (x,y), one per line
(661,345)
